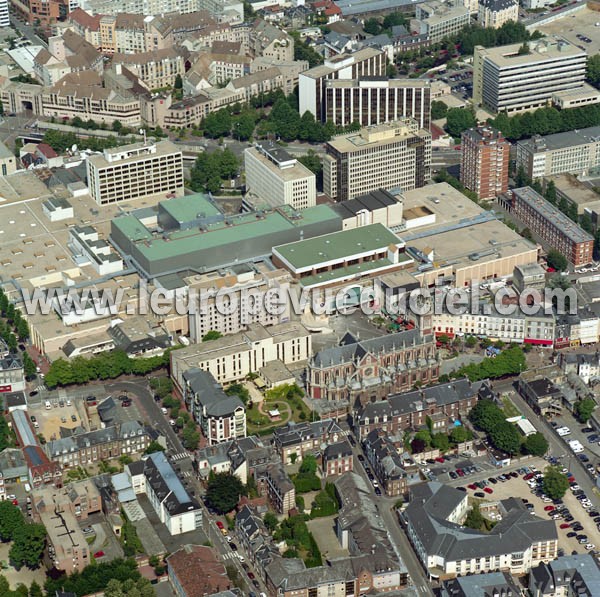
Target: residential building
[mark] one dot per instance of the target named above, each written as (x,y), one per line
(67,54)
(231,358)
(444,404)
(110,442)
(12,374)
(293,441)
(433,519)
(489,583)
(494,13)
(575,152)
(203,239)
(552,226)
(156,68)
(541,394)
(47,12)
(274,177)
(8,161)
(86,25)
(521,77)
(484,162)
(341,257)
(386,463)
(375,100)
(359,371)
(584,365)
(396,154)
(437,20)
(4,15)
(279,487)
(337,459)
(133,171)
(61,513)
(368,62)
(578,573)
(171,500)
(221,417)
(183,568)
(530,275)
(242,284)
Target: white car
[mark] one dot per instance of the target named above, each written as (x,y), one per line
(546,500)
(575,487)
(172,422)
(11,496)
(590,546)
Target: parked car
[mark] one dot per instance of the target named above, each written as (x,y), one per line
(548,508)
(565,525)
(488,490)
(99,554)
(74,418)
(479,494)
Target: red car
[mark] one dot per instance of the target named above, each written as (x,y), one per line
(99,554)
(440,460)
(548,508)
(15,502)
(565,525)
(528,476)
(220,524)
(472,486)
(460,472)
(488,490)
(251,575)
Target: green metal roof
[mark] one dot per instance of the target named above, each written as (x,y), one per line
(132,228)
(343,272)
(337,245)
(189,207)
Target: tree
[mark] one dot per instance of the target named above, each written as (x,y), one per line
(117,126)
(417,446)
(28,544)
(440,441)
(505,437)
(438,110)
(217,124)
(154,446)
(29,366)
(211,335)
(555,483)
(372,26)
(11,519)
(474,519)
(584,409)
(460,434)
(240,391)
(178,82)
(309,464)
(485,415)
(557,260)
(243,127)
(224,492)
(593,70)
(471,341)
(459,120)
(535,444)
(271,521)
(191,437)
(35,590)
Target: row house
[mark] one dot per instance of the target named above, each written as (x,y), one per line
(337,459)
(294,440)
(386,463)
(443,404)
(360,371)
(275,482)
(128,438)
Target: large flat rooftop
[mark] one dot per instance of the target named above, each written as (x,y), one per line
(563,140)
(336,247)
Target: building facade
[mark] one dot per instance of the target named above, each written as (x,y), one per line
(437,19)
(552,226)
(517,78)
(575,152)
(386,156)
(275,177)
(134,171)
(484,162)
(375,100)
(494,13)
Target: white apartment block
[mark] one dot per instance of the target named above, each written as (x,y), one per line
(575,152)
(438,19)
(494,13)
(231,358)
(4,18)
(137,170)
(385,156)
(275,177)
(518,77)
(243,287)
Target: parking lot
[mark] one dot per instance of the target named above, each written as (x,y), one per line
(568,511)
(61,413)
(582,23)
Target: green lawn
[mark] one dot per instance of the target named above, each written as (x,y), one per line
(510,410)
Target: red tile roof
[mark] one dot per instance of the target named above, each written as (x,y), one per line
(86,20)
(46,150)
(186,563)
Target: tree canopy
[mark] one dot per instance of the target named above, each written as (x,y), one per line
(509,362)
(584,409)
(224,492)
(557,260)
(535,444)
(459,120)
(555,483)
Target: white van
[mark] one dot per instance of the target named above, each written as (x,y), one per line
(48,405)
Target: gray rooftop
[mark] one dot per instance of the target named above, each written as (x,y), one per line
(562,140)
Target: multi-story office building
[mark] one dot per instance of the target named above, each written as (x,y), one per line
(484,162)
(368,62)
(552,226)
(575,152)
(374,100)
(385,156)
(436,19)
(4,18)
(134,171)
(520,77)
(494,13)
(273,176)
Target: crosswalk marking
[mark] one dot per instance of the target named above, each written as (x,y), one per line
(232,555)
(180,456)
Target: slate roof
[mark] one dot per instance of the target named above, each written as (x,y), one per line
(214,401)
(579,572)
(295,433)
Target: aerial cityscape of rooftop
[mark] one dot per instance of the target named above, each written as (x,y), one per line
(299,298)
